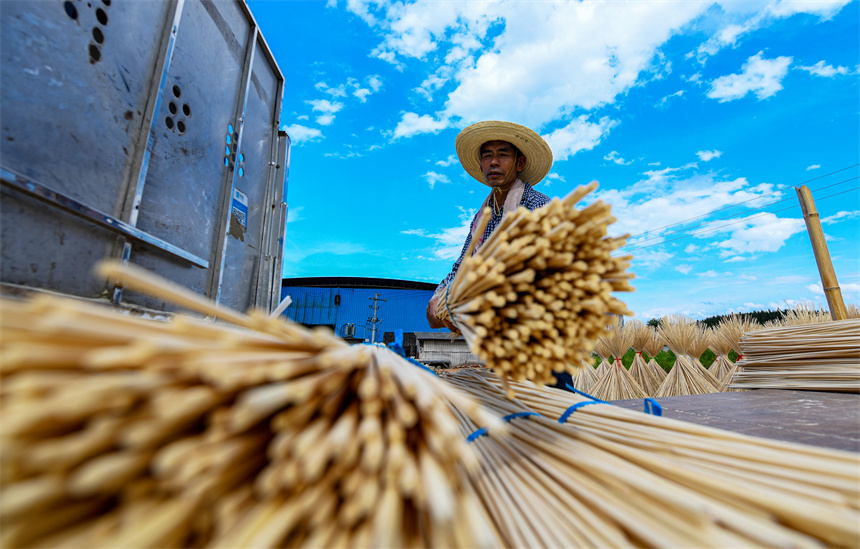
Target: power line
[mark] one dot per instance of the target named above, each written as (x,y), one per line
(735,214)
(781,188)
(736,222)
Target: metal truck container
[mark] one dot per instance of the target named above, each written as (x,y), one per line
(146,132)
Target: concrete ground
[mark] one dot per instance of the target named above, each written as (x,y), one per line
(825,419)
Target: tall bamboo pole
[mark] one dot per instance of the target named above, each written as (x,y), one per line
(822,256)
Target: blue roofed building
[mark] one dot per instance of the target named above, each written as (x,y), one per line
(358,308)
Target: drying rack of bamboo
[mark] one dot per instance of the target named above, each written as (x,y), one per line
(611,477)
(535,295)
(585,379)
(728,337)
(617,383)
(649,375)
(124,432)
(823,356)
(601,349)
(685,377)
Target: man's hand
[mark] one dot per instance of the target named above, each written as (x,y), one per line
(435,321)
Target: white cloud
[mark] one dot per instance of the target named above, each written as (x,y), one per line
(579,135)
(839,217)
(295,214)
(691,248)
(449,241)
(708,274)
(651,258)
(553,59)
(789,279)
(432,178)
(374,84)
(827,71)
(339,91)
(706,156)
(300,134)
(325,119)
(760,76)
(451,160)
(615,157)
(813,167)
(553,177)
(815,289)
(665,101)
(325,106)
(413,124)
(760,233)
(684,269)
(431,85)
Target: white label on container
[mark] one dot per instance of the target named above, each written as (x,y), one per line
(240,207)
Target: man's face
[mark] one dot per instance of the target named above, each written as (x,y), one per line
(500,163)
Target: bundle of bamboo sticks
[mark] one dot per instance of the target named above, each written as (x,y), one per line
(685,377)
(585,379)
(728,337)
(822,356)
(649,375)
(534,297)
(653,345)
(722,367)
(699,343)
(617,383)
(601,349)
(612,477)
(124,432)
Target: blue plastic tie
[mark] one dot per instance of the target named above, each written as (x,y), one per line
(483,430)
(577,391)
(519,414)
(653,407)
(480,432)
(567,413)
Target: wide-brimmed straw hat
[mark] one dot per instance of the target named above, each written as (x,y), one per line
(534,148)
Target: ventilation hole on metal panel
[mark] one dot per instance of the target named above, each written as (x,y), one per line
(71,10)
(235,143)
(241,157)
(180,126)
(233,157)
(172,107)
(230,131)
(241,172)
(95,53)
(169,123)
(177,93)
(186,110)
(236,136)
(98,35)
(226,161)
(101,16)
(228,141)
(227,151)
(106,2)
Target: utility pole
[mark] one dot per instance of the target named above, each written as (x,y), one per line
(374,320)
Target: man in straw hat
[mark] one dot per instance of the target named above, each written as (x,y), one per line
(510,159)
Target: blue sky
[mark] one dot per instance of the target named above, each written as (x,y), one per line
(677,109)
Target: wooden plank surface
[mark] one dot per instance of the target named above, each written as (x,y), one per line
(825,419)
